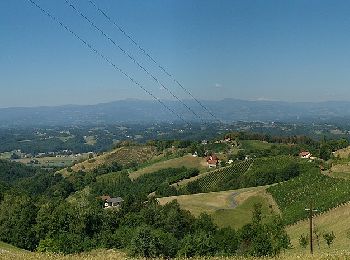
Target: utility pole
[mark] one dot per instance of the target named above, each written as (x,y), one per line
(311,211)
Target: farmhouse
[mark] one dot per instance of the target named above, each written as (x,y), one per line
(305,154)
(109,202)
(212,161)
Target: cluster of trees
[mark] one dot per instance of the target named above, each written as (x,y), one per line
(47,212)
(293,145)
(119,184)
(142,228)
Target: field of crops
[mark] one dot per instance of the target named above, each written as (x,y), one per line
(214,180)
(296,194)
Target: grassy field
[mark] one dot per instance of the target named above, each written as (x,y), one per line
(8,252)
(343,153)
(336,220)
(124,156)
(53,161)
(90,140)
(228,208)
(188,161)
(255,145)
(341,170)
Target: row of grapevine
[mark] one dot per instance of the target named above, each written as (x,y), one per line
(324,192)
(214,180)
(249,173)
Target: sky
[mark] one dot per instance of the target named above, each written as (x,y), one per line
(297,50)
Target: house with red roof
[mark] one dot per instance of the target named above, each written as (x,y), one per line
(305,154)
(212,161)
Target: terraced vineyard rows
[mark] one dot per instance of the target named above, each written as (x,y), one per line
(213,181)
(294,195)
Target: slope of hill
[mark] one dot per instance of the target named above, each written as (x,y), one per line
(118,255)
(336,220)
(187,161)
(124,156)
(228,208)
(294,195)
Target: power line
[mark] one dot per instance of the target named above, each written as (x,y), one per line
(93,49)
(130,57)
(150,57)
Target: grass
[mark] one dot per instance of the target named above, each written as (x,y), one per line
(242,214)
(90,140)
(342,175)
(52,161)
(255,145)
(66,138)
(8,247)
(228,208)
(188,161)
(124,156)
(17,254)
(5,155)
(343,153)
(341,170)
(96,254)
(336,220)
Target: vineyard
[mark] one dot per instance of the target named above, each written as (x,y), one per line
(294,195)
(249,173)
(215,180)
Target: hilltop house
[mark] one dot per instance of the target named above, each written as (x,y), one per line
(212,161)
(109,202)
(305,154)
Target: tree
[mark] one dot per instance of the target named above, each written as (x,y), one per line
(329,238)
(148,242)
(17,218)
(303,240)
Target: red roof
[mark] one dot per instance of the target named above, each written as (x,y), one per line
(304,153)
(212,162)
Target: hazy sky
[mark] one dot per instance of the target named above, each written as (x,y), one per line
(276,50)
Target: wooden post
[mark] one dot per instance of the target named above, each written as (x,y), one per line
(311,240)
(311,211)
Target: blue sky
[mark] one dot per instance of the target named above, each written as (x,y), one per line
(275,50)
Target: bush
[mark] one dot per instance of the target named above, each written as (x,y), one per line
(148,242)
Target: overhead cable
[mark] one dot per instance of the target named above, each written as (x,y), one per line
(120,28)
(98,53)
(130,57)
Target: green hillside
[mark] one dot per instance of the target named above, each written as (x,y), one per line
(228,208)
(312,186)
(187,161)
(336,220)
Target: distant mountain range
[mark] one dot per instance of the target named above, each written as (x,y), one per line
(132,110)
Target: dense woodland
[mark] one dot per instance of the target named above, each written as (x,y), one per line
(45,211)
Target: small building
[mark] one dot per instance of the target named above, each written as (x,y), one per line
(212,161)
(305,154)
(109,202)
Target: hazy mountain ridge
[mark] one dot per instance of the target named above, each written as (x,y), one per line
(132,110)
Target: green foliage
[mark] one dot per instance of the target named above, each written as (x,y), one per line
(119,184)
(293,196)
(258,239)
(197,244)
(329,238)
(10,172)
(17,220)
(249,173)
(215,180)
(149,242)
(303,240)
